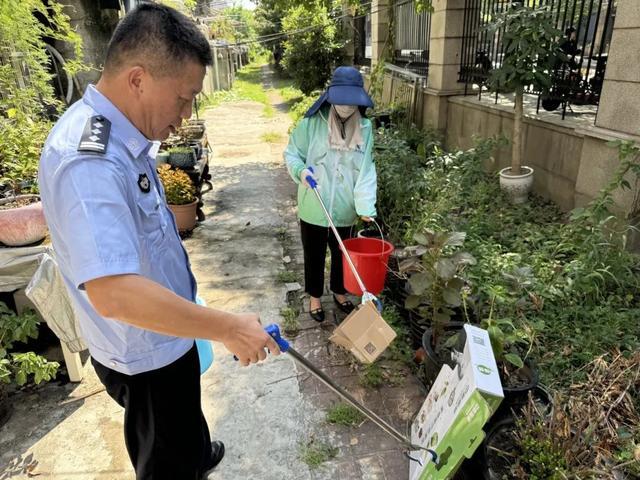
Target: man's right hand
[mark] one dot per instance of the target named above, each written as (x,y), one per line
(247,339)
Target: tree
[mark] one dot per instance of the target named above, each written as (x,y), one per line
(312,48)
(531,49)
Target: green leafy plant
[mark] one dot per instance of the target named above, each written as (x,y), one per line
(400,349)
(271,137)
(505,339)
(27,96)
(372,376)
(178,187)
(424,5)
(531,49)
(287,276)
(436,279)
(315,452)
(301,107)
(19,367)
(180,150)
(290,322)
(345,415)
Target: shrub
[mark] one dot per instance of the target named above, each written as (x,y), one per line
(310,56)
(178,187)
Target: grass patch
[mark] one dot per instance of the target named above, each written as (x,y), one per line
(268,111)
(315,453)
(290,322)
(282,234)
(344,414)
(271,137)
(287,276)
(372,376)
(247,86)
(290,94)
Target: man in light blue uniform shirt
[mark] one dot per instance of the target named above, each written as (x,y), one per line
(118,247)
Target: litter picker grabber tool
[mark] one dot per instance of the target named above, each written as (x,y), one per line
(366,296)
(274,332)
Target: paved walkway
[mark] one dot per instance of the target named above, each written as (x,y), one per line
(266,413)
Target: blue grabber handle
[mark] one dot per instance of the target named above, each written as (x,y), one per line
(274,332)
(311,181)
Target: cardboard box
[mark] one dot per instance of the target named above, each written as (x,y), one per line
(364,333)
(459,404)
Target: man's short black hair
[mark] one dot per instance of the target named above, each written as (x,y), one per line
(157,37)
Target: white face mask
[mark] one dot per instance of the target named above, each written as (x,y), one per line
(345,111)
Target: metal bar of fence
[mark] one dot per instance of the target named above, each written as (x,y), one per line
(465,45)
(597,21)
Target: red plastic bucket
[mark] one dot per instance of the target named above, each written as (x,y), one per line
(370,257)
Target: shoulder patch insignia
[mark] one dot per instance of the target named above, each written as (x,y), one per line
(95,136)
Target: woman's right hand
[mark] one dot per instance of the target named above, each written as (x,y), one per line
(303,177)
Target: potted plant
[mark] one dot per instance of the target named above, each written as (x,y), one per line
(436,285)
(162,157)
(182,157)
(517,376)
(22,220)
(531,48)
(511,339)
(16,367)
(192,130)
(181,196)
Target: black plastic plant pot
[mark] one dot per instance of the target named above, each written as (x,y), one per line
(497,453)
(433,360)
(182,160)
(518,394)
(6,408)
(382,120)
(539,395)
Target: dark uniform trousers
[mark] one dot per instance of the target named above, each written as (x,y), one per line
(166,434)
(314,243)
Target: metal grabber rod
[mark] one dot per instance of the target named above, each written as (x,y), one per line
(274,332)
(314,186)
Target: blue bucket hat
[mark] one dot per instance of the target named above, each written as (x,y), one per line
(346,88)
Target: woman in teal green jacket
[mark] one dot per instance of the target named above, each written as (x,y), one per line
(333,144)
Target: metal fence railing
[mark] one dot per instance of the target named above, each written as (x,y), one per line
(411,38)
(587,26)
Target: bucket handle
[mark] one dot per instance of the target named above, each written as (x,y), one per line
(379,229)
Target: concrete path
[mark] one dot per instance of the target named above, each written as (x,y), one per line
(236,255)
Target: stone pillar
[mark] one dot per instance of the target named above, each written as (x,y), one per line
(348,28)
(618,118)
(447,22)
(380,16)
(619,108)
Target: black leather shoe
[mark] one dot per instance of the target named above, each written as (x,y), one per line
(346,306)
(217,454)
(317,314)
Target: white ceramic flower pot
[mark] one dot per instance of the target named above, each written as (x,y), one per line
(517,186)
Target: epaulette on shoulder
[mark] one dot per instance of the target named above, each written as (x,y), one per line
(95,136)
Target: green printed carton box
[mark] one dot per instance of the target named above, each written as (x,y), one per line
(459,404)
